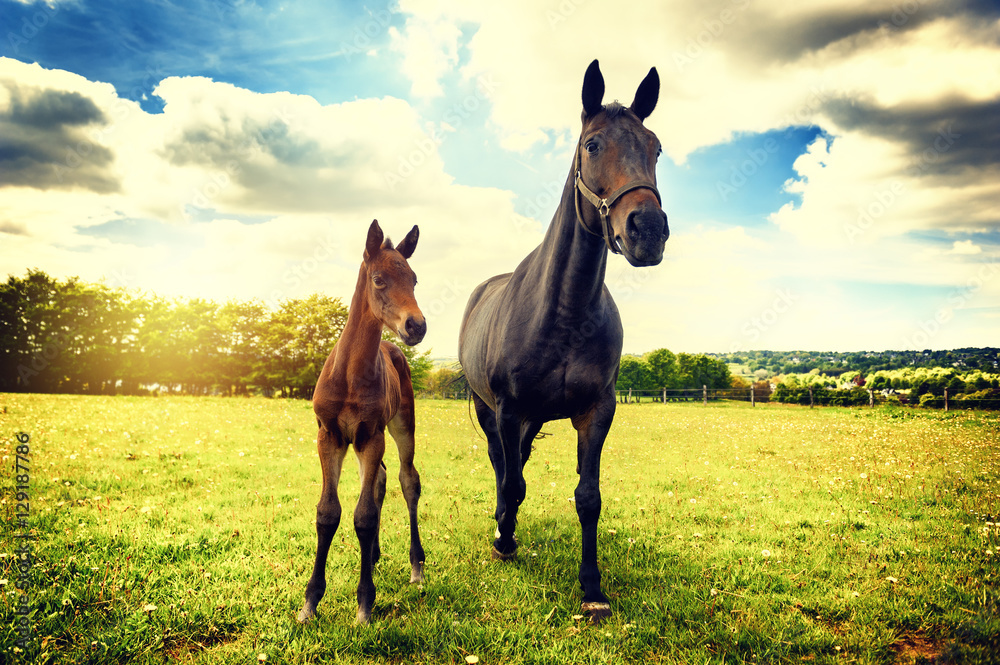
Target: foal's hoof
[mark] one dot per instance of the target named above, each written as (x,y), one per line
(417,573)
(500,556)
(363,617)
(306,614)
(596,612)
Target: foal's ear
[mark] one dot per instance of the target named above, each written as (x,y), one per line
(593,90)
(374,242)
(645,96)
(409,243)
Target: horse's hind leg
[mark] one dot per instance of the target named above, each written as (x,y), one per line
(401,428)
(379,500)
(331,458)
(488,422)
(367,517)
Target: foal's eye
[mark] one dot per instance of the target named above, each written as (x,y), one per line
(378,282)
(591,147)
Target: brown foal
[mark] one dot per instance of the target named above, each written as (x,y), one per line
(365,387)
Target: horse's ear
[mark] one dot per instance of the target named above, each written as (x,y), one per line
(593,90)
(374,242)
(646,95)
(409,243)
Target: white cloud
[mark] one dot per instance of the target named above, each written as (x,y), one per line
(241,194)
(316,174)
(965,247)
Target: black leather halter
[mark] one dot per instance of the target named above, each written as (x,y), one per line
(604,205)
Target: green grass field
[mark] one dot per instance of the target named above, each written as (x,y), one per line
(180,529)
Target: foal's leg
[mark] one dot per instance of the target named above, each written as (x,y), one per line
(592,428)
(379,500)
(366,515)
(401,428)
(331,458)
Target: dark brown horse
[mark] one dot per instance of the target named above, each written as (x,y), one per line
(365,387)
(544,342)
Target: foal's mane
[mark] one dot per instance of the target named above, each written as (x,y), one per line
(614,109)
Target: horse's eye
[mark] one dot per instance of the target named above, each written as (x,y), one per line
(378,282)
(659,151)
(591,147)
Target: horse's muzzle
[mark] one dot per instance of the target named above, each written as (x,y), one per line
(413,330)
(646,233)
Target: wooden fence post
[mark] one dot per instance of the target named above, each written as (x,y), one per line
(751,396)
(664,395)
(810,397)
(945,399)
(628,400)
(871,398)
(704,395)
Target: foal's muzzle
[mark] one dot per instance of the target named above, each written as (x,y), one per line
(413,330)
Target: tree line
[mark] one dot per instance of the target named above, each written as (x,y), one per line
(74,337)
(663,369)
(833,363)
(910,385)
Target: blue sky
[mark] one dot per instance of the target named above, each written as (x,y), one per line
(842,157)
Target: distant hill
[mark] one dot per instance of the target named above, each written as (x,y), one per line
(834,363)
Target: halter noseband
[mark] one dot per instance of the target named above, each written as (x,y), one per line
(604,205)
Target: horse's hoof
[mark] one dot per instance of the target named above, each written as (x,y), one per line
(417,573)
(500,556)
(363,617)
(305,615)
(596,611)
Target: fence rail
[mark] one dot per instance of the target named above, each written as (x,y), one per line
(805,397)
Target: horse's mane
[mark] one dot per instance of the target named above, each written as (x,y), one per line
(614,109)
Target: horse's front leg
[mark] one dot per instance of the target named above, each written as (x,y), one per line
(514,435)
(592,428)
(402,429)
(332,450)
(488,422)
(367,515)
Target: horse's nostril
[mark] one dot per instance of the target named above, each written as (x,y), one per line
(646,223)
(415,328)
(630,226)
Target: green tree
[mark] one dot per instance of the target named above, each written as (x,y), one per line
(662,369)
(634,373)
